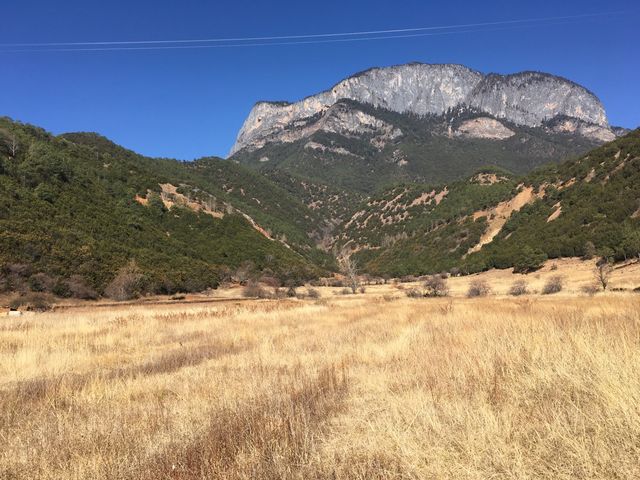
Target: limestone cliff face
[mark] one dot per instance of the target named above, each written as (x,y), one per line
(527,98)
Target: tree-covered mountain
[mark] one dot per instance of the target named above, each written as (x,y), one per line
(78,206)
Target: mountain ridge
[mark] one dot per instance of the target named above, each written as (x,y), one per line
(425,89)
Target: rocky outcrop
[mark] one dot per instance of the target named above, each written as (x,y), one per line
(527,98)
(570,125)
(484,127)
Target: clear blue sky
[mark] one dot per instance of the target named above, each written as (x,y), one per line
(191,102)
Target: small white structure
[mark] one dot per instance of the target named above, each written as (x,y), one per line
(14,313)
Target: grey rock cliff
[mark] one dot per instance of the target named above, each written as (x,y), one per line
(527,98)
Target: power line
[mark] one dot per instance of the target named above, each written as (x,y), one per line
(241,45)
(295,39)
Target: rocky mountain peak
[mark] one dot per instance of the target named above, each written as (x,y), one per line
(526,98)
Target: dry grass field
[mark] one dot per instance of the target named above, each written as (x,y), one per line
(344,387)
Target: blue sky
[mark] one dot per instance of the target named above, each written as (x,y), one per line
(190,103)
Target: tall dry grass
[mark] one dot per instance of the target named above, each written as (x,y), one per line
(346,388)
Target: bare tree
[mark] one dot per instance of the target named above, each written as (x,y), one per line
(11,142)
(349,269)
(602,273)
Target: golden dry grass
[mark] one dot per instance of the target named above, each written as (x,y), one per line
(354,387)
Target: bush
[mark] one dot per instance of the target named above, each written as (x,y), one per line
(61,289)
(313,293)
(35,302)
(41,282)
(436,286)
(363,290)
(518,288)
(478,288)
(553,285)
(272,282)
(127,284)
(79,289)
(254,290)
(345,291)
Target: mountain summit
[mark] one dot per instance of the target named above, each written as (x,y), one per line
(528,99)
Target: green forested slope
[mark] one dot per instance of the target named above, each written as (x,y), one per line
(599,199)
(67,207)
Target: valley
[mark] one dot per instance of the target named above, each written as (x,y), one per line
(319,241)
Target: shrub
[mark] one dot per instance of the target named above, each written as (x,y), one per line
(41,282)
(313,293)
(269,281)
(61,289)
(291,292)
(127,284)
(79,289)
(36,302)
(436,286)
(478,288)
(254,290)
(17,269)
(518,288)
(345,291)
(408,279)
(553,285)
(363,290)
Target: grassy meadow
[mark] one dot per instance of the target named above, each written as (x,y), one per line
(344,387)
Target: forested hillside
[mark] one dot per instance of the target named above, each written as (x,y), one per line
(77,208)
(583,207)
